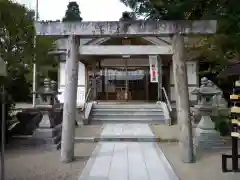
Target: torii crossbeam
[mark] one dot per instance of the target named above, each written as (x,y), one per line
(128,28)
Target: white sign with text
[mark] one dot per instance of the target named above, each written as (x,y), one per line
(153,64)
(80,96)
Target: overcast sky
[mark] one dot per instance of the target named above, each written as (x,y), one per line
(91,10)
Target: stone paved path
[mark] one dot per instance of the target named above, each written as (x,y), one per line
(127,160)
(127,130)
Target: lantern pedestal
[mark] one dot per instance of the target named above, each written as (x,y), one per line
(206,135)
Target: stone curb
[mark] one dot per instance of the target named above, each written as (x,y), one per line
(121,139)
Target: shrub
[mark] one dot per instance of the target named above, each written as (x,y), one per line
(222,125)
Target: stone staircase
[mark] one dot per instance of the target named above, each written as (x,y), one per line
(149,113)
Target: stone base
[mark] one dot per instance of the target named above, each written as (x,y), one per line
(207,139)
(48,135)
(45,133)
(39,143)
(48,141)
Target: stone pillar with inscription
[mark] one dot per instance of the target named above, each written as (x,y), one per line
(70,96)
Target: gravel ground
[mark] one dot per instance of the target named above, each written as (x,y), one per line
(165,131)
(24,162)
(207,166)
(88,131)
(37,164)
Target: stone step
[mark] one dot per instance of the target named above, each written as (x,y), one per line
(116,139)
(132,120)
(117,109)
(127,113)
(124,113)
(127,106)
(122,139)
(128,117)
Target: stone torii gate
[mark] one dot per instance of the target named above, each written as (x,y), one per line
(77,30)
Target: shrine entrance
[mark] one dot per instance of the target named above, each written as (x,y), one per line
(123,84)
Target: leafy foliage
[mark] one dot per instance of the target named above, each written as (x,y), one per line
(213,52)
(72,12)
(128,16)
(217,49)
(16,48)
(17,32)
(46,63)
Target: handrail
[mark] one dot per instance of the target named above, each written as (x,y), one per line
(167,99)
(87,98)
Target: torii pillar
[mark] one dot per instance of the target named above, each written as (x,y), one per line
(182,99)
(176,29)
(70,96)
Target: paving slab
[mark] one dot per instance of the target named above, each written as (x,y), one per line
(127,130)
(127,160)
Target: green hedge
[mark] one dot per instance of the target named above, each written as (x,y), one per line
(222,125)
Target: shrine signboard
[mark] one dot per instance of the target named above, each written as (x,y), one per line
(153,63)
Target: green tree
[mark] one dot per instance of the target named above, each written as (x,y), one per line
(214,52)
(16,48)
(46,64)
(175,9)
(217,49)
(128,16)
(16,35)
(17,32)
(72,12)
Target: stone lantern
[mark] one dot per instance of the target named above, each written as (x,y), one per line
(47,97)
(205,133)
